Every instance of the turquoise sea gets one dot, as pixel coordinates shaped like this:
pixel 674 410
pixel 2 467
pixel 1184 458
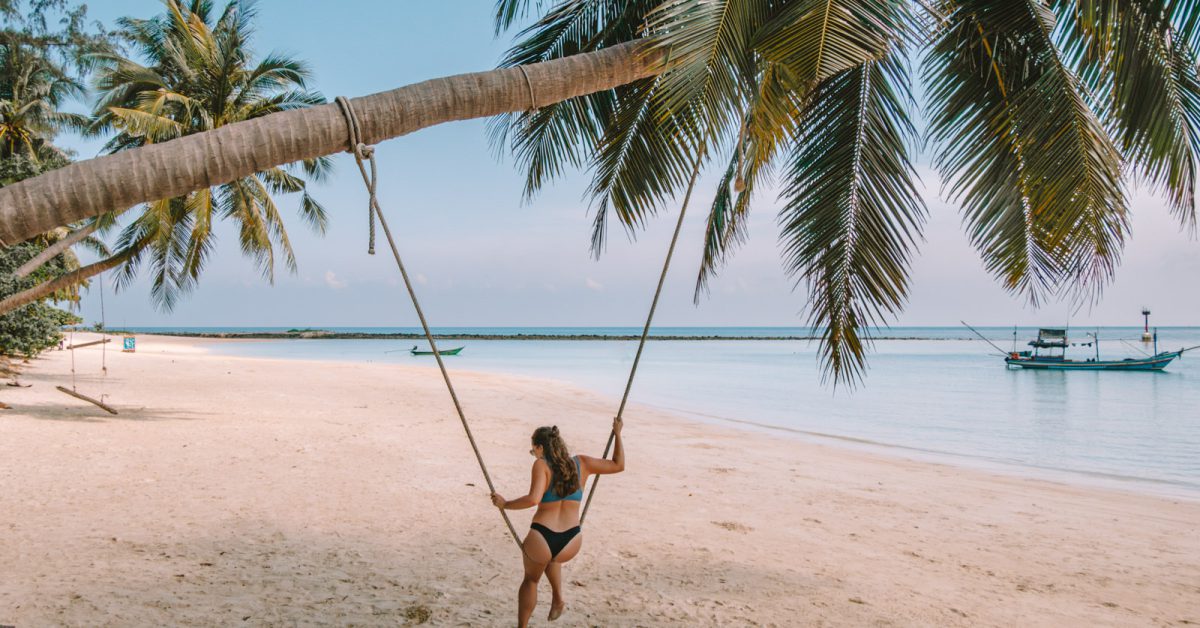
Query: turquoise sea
pixel 936 394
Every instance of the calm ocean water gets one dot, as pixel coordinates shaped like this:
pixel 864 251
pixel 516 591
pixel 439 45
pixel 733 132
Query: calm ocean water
pixel 940 396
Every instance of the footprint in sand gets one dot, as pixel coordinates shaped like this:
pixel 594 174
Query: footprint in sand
pixel 733 526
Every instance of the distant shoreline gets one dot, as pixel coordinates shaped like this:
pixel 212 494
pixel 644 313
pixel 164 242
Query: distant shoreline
pixel 318 334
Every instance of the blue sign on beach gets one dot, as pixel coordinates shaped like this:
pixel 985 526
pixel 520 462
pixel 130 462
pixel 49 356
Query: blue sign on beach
pixel 129 344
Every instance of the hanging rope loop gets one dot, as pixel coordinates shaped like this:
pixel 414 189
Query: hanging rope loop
pixel 362 153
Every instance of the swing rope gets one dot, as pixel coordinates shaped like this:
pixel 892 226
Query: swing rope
pixel 103 339
pixel 72 348
pixel 637 357
pixel 362 152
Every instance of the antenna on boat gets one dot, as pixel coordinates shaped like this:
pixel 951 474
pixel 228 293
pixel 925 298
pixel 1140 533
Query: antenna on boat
pixel 1096 342
pixel 1014 339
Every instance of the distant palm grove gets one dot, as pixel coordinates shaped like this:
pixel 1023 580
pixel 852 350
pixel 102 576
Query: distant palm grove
pixel 1037 115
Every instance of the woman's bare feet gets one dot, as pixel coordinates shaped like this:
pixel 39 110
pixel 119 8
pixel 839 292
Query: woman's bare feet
pixel 556 609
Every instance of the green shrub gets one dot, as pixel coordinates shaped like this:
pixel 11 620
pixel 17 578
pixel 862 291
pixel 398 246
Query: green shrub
pixel 27 331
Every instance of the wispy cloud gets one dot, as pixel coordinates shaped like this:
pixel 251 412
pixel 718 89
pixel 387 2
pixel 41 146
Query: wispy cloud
pixel 592 284
pixel 332 280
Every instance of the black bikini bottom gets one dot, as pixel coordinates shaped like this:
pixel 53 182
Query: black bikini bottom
pixel 556 540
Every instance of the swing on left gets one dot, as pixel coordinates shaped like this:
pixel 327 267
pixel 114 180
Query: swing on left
pixel 103 342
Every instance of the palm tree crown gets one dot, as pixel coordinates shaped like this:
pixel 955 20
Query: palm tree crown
pixel 1035 109
pixel 199 75
pixel 32 87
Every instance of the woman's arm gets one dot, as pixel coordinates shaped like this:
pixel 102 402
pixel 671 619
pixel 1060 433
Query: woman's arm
pixel 602 466
pixel 537 488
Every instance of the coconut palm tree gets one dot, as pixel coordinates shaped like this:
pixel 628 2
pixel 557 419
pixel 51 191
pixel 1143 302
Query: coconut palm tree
pixel 199 75
pixel 175 233
pixel 38 74
pixel 29 114
pixel 34 83
pixel 1036 108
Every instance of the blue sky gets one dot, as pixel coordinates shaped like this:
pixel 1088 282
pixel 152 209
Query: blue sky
pixel 481 257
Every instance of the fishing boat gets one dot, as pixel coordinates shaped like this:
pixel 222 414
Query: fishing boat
pixel 453 351
pixel 1050 349
pixel 1049 353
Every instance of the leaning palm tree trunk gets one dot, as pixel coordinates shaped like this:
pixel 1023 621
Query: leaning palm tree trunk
pixel 77 276
pixel 47 254
pixel 173 168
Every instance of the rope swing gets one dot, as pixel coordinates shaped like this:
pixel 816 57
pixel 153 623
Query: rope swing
pixel 103 360
pixel 363 153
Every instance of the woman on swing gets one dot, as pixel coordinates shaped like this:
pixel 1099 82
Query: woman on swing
pixel 556 488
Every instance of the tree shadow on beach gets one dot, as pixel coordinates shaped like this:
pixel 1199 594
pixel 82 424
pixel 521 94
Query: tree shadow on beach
pixel 258 572
pixel 37 398
pixel 82 412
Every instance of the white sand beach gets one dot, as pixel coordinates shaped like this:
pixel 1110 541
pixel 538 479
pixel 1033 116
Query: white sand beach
pixel 234 491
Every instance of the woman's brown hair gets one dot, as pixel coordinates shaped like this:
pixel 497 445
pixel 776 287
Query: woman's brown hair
pixel 564 478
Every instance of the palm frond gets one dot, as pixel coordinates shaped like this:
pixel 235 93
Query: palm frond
pixel 278 72
pixel 641 160
pixel 160 234
pixel 555 137
pixel 725 227
pixel 242 202
pixel 852 213
pixel 1093 27
pixel 149 127
pixel 1037 175
pixel 279 181
pixel 713 64
pixel 815 39
pixel 548 141
pixel 200 244
pixel 769 125
pixel 1136 57
pixel 285 101
pixel 275 224
pixel 510 11
pixel 96 246
pixel 318 169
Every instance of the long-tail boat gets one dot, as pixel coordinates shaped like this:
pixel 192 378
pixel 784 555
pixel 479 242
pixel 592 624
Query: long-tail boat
pixel 453 351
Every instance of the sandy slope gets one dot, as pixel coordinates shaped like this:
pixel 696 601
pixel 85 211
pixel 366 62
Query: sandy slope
pixel 306 493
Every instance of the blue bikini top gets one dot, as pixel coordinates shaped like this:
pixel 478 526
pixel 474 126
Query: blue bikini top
pixel 551 496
